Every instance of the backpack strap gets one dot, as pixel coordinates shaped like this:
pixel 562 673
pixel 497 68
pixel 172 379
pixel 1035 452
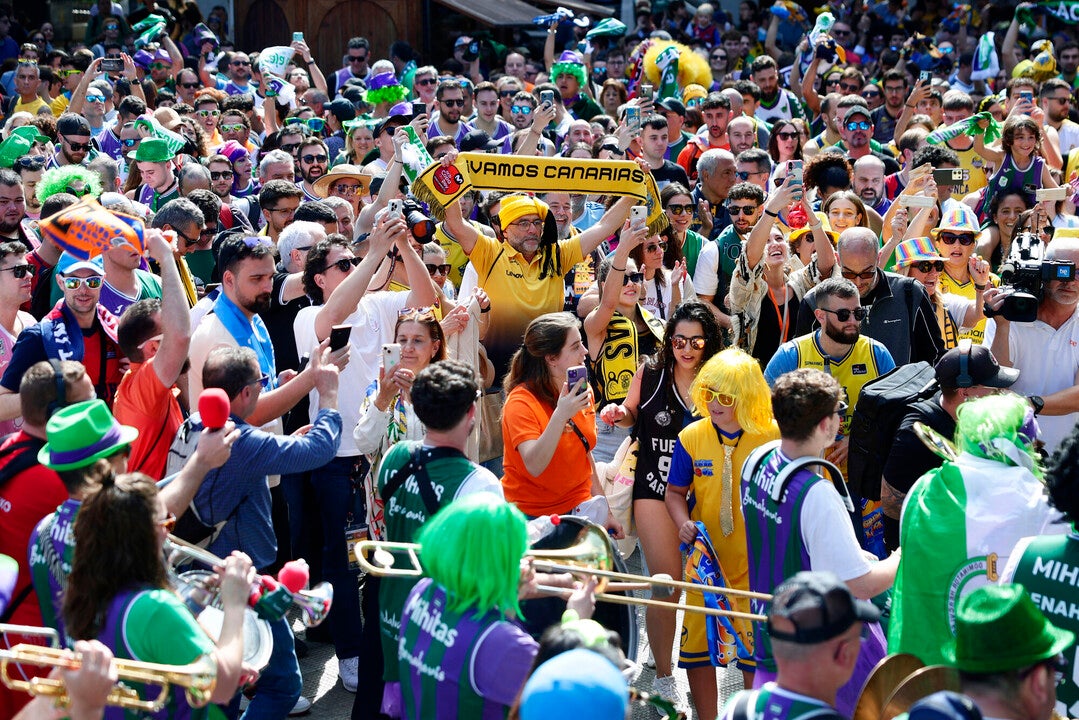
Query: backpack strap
pixel 24 458
pixel 417 467
pixel 756 459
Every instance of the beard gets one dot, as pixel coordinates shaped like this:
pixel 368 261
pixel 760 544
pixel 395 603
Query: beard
pixel 258 305
pixel 839 335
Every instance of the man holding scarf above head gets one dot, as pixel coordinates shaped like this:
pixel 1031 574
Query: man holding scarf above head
pixel 524 273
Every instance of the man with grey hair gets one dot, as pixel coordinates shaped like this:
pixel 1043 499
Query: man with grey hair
pixel 716 175
pixel 901 315
pixel 193 176
pixel 276 165
pixel 345 217
pixel 1045 351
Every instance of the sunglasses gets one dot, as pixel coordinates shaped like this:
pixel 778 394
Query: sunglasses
pixel 871 94
pixel 426 81
pixel 95 98
pixel 112 27
pixel 737 210
pixel 357 58
pixel 77 146
pixel 831 82
pixel 681 209
pixel 710 396
pixel 159 66
pixel 848 88
pixel 843 315
pixel 222 175
pixel 697 342
pixel 719 57
pixel 858 125
pixel 948 238
pixel 207 113
pixel 315 124
pixel 309 159
pixel 927 266
pixel 635 278
pixel 187 241
pixel 867 274
pixel 432 270
pixel 69 73
pixel 130 142
pixel 191 86
pixel 789 135
pixel 262 380
pixel 238 127
pixel 653 247
pixel 20 271
pixel 343 189
pixel 240 63
pixel 291 148
pixel 74 283
pixel 521 109
pixel 612 149
pixel 507 93
pixel 460 102
pixel 344 264
pixel 31 162
pixel 743 175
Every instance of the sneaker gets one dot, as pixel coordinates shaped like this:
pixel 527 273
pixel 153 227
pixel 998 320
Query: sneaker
pixel 348 669
pixel 302 705
pixel 667 688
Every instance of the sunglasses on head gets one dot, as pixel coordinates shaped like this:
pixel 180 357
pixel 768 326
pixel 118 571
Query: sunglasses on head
pixel 77 146
pixel 858 125
pixel 416 314
pixel 521 109
pixel 344 264
pixel 927 266
pixel 432 269
pixel 965 239
pixel 20 271
pixel 314 158
pixel 459 102
pixel 74 283
pixel 681 209
pixel 30 162
pixel 714 396
pixel 635 278
pixel 736 210
pixel 696 342
pixel 844 314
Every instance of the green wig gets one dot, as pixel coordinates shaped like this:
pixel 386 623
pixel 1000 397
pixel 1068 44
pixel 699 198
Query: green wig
pixel 569 68
pixel 736 373
pixel 61 179
pixel 473 548
pixel 1000 428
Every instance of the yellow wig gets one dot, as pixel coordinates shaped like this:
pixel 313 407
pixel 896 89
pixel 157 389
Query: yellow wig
pixel 692 68
pixel 736 373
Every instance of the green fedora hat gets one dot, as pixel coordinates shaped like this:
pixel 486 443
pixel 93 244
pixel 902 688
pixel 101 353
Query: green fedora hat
pixel 152 149
pixel 81 434
pixel 998 628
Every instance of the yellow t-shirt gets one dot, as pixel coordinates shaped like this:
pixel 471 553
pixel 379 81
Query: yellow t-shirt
pixel 32 107
pixel 975 164
pixel 948 284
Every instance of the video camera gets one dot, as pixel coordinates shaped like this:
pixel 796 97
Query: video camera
pixel 1025 275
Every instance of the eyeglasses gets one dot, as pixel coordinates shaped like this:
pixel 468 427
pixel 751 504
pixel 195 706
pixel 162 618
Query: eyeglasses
pixel 660 246
pixel 681 209
pixel 459 102
pixel 432 270
pixel 344 264
pixel 130 142
pixel 20 271
pixel 30 162
pixel 238 127
pixel 290 148
pixel 160 66
pixel 521 109
pixel 426 81
pixel 1062 100
pixel 737 210
pixel 95 98
pixel 309 159
pixel 841 409
pixel 868 274
pixel 316 124
pixel 74 283
pixel 222 175
pixel 710 396
pixel 965 239
pixel 526 224
pixel 77 146
pixel 207 113
pixel 858 125
pixel 789 135
pixel 191 86
pixel 357 58
pixel 871 94
pixel 169 523
pixel 927 266
pixel 343 189
pixel 281 209
pixel 696 342
pixel 635 278
pixel 843 314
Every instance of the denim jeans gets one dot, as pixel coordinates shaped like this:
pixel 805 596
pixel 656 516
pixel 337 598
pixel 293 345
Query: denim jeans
pixel 280 682
pixel 608 439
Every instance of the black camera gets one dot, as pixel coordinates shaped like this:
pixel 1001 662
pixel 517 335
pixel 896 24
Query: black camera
pixel 1025 275
pixel 472 51
pixel 419 223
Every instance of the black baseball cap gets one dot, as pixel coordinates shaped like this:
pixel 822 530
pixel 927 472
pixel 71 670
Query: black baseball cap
pixel 819 605
pixel 674 105
pixel 72 124
pixel 479 141
pixel 342 109
pixel 981 366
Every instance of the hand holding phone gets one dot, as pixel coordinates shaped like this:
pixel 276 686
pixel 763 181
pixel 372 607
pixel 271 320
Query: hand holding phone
pixel 574 376
pixel 638 214
pixel 394 208
pixel 391 359
pixel 339 335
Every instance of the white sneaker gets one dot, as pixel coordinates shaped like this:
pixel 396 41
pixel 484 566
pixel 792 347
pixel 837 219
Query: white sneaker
pixel 667 688
pixel 348 669
pixel 302 705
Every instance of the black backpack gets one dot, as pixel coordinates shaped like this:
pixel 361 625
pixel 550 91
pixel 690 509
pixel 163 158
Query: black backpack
pixel 880 409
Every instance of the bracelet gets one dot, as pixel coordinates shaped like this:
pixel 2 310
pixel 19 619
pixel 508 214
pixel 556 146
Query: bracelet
pixel 913 107
pixel 486 309
pixel 769 213
pixel 979 287
pixel 309 62
pixel 618 269
pixel 399 160
pixel 814 227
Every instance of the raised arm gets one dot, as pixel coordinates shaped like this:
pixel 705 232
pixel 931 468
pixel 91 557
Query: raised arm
pixel 591 238
pixel 318 80
pixel 758 236
pixel 175 315
pixel 595 325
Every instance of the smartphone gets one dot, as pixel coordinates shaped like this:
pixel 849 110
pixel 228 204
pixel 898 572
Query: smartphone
pixel 210 287
pixel 1052 194
pixel 917 201
pixel 647 92
pixel 547 96
pixel 297 37
pixel 395 208
pixel 339 336
pixel 391 358
pixel 1026 95
pixel 638 214
pixel 633 119
pixel 419 107
pixel 951 176
pixel 303 363
pixel 575 375
pixel 112 65
pixel 925 77
pixel 794 172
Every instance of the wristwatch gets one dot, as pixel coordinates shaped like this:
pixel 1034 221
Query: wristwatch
pixel 1038 402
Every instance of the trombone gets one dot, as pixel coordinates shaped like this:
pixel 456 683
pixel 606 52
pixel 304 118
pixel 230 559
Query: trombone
pixel 314 604
pixel 590 556
pixel 198 679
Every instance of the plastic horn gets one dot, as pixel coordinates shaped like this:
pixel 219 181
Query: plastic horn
pixel 314 604
pixel 198 679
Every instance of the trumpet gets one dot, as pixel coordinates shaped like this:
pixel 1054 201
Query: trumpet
pixel 198 679
pixel 314 604
pixel 590 556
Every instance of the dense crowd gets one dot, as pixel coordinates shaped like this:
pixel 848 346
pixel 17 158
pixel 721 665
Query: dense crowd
pixel 828 198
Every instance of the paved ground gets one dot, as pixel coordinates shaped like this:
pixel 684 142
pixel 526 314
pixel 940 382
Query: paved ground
pixel 331 700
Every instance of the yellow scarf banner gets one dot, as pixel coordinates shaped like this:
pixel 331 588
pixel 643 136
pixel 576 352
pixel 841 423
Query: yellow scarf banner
pixel 439 185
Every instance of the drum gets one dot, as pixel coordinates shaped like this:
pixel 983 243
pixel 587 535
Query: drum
pixel 540 614
pixel 201 599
